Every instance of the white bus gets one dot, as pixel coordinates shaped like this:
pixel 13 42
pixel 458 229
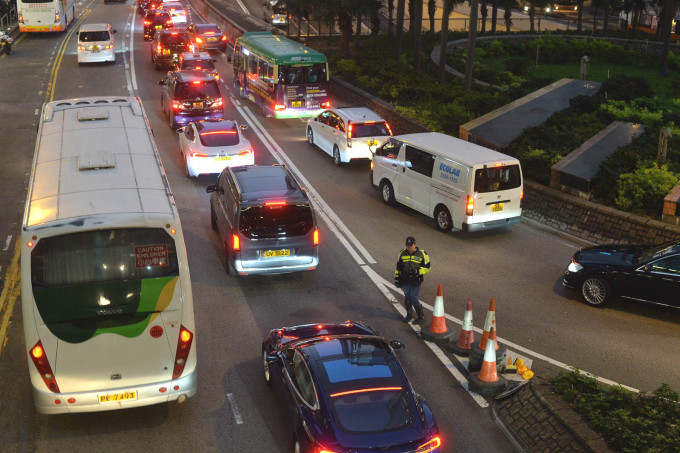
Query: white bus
pixel 45 15
pixel 106 293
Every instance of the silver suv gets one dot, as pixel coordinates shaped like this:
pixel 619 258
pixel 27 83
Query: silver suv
pixel 265 221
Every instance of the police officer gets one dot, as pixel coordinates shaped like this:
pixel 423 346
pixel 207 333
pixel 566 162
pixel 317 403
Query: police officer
pixel 412 265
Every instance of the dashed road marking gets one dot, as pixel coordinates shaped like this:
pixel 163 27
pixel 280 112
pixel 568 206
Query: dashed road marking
pixel 7 243
pixel 234 409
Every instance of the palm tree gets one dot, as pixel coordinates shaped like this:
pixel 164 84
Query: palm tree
pixel 483 11
pixel 579 21
pixel 431 10
pixel 390 16
pixel 507 15
pixel 669 9
pixel 443 39
pixel 401 4
pixel 472 42
pixel 494 15
pixel 417 32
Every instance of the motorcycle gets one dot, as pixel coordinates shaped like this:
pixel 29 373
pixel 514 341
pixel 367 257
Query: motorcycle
pixel 6 42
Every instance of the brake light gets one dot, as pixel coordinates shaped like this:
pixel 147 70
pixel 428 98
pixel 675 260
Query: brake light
pixel 389 129
pixel 183 347
pixel 237 243
pixel 371 165
pixel 275 203
pixel 191 47
pixel 224 38
pixel 199 40
pixel 176 106
pixel 169 22
pixel 196 82
pixel 159 49
pixel 498 165
pixel 195 154
pixel 218 103
pixel 375 389
pixel 217 77
pixel 247 152
pixel 21 19
pixel 323 450
pixel 326 105
pixel 279 107
pixel 147 22
pixel 521 197
pixel 470 205
pixel 349 133
pixel 316 237
pixel 57 17
pixel 174 33
pixel 43 365
pixel 429 446
pixel 217 132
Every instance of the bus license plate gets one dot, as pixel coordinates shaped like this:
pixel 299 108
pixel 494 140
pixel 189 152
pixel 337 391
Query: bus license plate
pixel 296 104
pixel 114 397
pixel 223 158
pixel 276 253
pixel 497 207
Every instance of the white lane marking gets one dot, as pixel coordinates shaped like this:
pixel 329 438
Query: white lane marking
pixel 36 110
pixel 322 204
pixel 133 75
pixel 7 243
pixel 234 409
pixel 457 375
pixel 243 7
pixel 128 77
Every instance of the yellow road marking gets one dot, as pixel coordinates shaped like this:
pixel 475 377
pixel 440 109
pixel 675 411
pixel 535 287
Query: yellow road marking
pixel 10 294
pixel 49 93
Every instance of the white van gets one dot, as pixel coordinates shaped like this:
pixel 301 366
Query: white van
pixel 461 185
pixel 95 44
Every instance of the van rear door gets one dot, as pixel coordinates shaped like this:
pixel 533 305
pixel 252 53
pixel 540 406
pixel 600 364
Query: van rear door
pixel 497 188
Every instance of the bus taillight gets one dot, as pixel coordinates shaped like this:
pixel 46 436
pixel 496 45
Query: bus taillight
pixel 57 17
pixel 279 107
pixel 470 205
pixel 389 129
pixel 21 19
pixel 183 347
pixel 40 361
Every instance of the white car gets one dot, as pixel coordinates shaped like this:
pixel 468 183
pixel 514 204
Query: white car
pixel 348 133
pixel 176 11
pixel 95 44
pixel 208 147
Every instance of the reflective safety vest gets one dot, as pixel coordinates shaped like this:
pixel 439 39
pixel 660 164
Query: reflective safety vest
pixel 412 266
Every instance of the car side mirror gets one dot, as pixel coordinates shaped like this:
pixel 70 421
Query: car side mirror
pixel 211 188
pixel 181 130
pixel 161 82
pixel 272 358
pixel 397 345
pixel 243 127
pixel 408 164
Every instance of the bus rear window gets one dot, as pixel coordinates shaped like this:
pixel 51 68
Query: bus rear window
pixel 298 75
pixel 369 130
pixel 494 179
pixel 268 222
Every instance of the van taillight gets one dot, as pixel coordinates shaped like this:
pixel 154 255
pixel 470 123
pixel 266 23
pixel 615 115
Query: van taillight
pixel 521 197
pixel 159 49
pixel 316 237
pixel 349 135
pixel 470 206
pixel 236 243
pixel 43 365
pixel 183 347
pixel 389 129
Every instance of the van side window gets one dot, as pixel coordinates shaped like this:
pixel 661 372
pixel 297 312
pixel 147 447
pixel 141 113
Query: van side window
pixel 421 161
pixel 390 149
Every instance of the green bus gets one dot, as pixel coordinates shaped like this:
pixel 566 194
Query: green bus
pixel 283 77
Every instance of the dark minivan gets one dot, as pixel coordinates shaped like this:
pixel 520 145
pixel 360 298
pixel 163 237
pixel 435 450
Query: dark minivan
pixel 265 221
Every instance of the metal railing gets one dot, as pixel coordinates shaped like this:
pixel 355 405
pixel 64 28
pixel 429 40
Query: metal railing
pixel 8 18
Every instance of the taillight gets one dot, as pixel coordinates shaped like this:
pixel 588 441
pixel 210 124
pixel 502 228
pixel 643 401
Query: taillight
pixel 326 105
pixel 218 103
pixel 57 17
pixel 371 165
pixel 183 347
pixel 237 243
pixel 195 154
pixel 21 19
pixel 224 38
pixel 316 237
pixel 389 129
pixel 41 363
pixel 470 205
pixel 147 22
pixel 217 77
pixel 521 197
pixel 198 39
pixel 429 446
pixel 279 107
pixel 176 106
pixel 246 152
pixel 159 49
pixel 191 47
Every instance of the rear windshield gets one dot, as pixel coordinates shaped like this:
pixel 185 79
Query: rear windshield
pixel 96 274
pixel 225 137
pixel 90 36
pixel 201 28
pixel 369 130
pixel 203 90
pixel 378 411
pixel 278 221
pixel 494 179
pixel 198 64
pixel 297 75
pixel 160 17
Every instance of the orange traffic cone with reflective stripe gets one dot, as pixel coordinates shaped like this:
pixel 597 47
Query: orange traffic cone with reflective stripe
pixel 438 331
pixel 467 336
pixel 487 381
pixel 489 323
pixel 477 349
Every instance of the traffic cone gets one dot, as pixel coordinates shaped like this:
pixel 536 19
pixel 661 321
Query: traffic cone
pixel 487 382
pixel 438 332
pixel 467 336
pixel 477 349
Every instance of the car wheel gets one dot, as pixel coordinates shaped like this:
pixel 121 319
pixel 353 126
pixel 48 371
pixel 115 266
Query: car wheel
pixel 596 291
pixel 387 192
pixel 230 269
pixel 443 219
pixel 336 156
pixel 310 136
pixel 265 365
pixel 171 120
pixel 213 218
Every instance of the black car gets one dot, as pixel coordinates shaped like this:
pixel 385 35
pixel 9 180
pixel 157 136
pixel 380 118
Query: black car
pixel 168 45
pixel 637 272
pixel 192 95
pixel 344 390
pixel 155 20
pixel 207 36
pixel 144 5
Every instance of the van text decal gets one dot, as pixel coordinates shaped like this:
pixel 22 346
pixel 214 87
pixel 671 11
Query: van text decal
pixel 449 173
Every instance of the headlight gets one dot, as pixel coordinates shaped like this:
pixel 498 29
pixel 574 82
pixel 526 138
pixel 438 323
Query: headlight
pixel 574 266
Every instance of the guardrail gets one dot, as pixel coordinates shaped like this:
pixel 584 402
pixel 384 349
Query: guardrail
pixel 8 18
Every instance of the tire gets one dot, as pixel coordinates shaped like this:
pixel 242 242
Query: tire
pixel 442 217
pixel 310 136
pixel 336 157
pixel 265 366
pixel 264 110
pixel 387 192
pixel 596 291
pixel 171 120
pixel 213 218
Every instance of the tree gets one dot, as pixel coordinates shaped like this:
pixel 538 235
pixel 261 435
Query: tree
pixel 669 7
pixel 579 20
pixel 472 42
pixel 390 16
pixel 401 4
pixel 605 21
pixel 507 15
pixel 417 33
pixel 443 39
pixel 483 11
pixel 431 10
pixel 494 15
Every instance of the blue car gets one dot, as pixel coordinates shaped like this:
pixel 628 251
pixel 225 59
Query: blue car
pixel 344 391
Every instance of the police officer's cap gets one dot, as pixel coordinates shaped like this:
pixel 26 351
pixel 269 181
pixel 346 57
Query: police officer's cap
pixel 410 241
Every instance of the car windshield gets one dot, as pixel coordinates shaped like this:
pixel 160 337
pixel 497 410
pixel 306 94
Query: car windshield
pixel 224 137
pixel 276 221
pixel 201 90
pixel 90 36
pixel 494 179
pixel 659 251
pixel 198 64
pixel 369 129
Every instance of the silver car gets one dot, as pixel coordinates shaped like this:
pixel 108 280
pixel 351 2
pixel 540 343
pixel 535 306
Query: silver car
pixel 265 221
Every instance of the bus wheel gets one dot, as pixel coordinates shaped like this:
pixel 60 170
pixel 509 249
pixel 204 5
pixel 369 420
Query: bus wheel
pixel 443 219
pixel 264 110
pixel 310 136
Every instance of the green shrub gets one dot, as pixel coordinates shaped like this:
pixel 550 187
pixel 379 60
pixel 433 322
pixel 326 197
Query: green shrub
pixel 536 164
pixel 642 192
pixel 625 88
pixel 517 65
pixel 347 69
